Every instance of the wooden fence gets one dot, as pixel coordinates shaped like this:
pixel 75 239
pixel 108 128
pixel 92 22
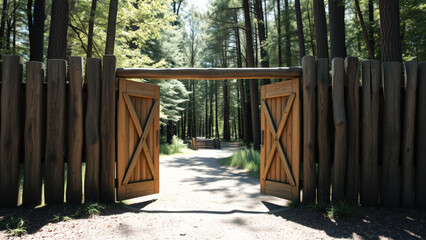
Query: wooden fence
pixel 369 139
pixel 44 126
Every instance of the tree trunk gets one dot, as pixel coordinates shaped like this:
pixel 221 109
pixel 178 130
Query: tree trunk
pixel 207 111
pixel 226 128
pixel 169 131
pixel 311 31
pixel 91 25
pixel 264 62
pixel 36 29
pixel 301 38
pixel 337 28
pixel 217 119
pixel 253 82
pixel 58 36
pixel 364 30
pixel 279 34
pixel 390 38
pixel 287 34
pixel 3 23
pixel 320 29
pixel 112 20
pixel 194 118
pixel 371 25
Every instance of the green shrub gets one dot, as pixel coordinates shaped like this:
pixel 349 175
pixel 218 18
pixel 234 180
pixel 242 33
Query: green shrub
pixel 342 209
pixel 245 159
pixel 176 146
pixel 17 226
pixel 89 209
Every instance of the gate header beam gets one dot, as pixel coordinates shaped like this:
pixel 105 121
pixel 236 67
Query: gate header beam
pixel 210 73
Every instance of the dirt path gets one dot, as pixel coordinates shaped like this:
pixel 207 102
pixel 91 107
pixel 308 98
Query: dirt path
pixel 200 199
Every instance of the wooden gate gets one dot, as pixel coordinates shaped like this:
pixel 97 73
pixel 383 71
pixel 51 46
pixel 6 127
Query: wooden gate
pixel 138 139
pixel 280 143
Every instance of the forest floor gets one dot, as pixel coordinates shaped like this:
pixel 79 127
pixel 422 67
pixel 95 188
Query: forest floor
pixel 200 199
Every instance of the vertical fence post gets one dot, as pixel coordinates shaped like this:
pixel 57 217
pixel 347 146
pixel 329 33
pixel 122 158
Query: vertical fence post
pixel 421 138
pixel 391 174
pixel 407 149
pixel 75 131
pixel 108 129
pixel 352 116
pixel 324 154
pixel 309 171
pixel 33 142
pixel 55 131
pixel 340 139
pixel 91 185
pixel 370 133
pixel 10 130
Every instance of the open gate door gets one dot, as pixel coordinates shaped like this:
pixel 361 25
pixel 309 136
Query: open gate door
pixel 280 143
pixel 137 139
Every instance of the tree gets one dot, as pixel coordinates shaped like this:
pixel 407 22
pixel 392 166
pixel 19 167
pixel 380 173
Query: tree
pixel 301 38
pixel 320 29
pixel 91 25
pixel 279 33
pixel 337 28
pixel 262 36
pixel 253 82
pixel 36 23
pixel 112 20
pixel 58 36
pixel 364 30
pixel 390 38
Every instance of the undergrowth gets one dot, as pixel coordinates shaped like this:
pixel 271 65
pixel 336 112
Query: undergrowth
pixel 17 226
pixel 247 158
pixel 89 209
pixel 341 209
pixel 176 146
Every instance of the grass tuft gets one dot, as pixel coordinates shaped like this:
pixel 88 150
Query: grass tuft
pixel 342 209
pixel 245 159
pixel 176 146
pixel 59 218
pixel 89 209
pixel 17 226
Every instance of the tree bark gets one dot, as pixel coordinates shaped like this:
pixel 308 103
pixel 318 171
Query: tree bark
pixel 371 25
pixel 3 22
pixel 279 33
pixel 264 62
pixel 390 38
pixel 36 29
pixel 112 20
pixel 217 119
pixel 337 28
pixel 287 33
pixel 301 38
pixel 320 29
pixel 364 30
pixel 58 36
pixel 91 25
pixel 253 82
pixel 226 128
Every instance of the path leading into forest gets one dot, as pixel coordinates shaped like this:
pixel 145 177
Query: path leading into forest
pixel 200 199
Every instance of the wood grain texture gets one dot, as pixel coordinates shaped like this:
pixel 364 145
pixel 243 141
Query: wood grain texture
pixel 408 128
pixel 352 117
pixel 108 116
pixel 33 141
pixel 391 171
pixel 210 73
pixel 421 138
pixel 55 132
pixel 92 130
pixel 369 192
pixel 324 152
pixel 10 140
pixel 309 99
pixel 75 131
pixel 340 124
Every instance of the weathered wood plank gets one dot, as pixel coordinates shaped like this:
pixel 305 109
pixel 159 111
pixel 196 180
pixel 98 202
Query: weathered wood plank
pixel 75 131
pixel 370 133
pixel 340 139
pixel 108 115
pixel 324 154
pixel 10 139
pixel 210 73
pixel 55 131
pixel 92 130
pixel 408 128
pixel 421 138
pixel 309 172
pixel 391 172
pixel 352 117
pixel 33 142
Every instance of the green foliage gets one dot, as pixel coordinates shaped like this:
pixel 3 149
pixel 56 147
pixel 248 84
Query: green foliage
pixel 17 226
pixel 342 209
pixel 89 209
pixel 248 159
pixel 59 218
pixel 176 146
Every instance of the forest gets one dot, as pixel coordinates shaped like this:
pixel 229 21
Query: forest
pixel 227 34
